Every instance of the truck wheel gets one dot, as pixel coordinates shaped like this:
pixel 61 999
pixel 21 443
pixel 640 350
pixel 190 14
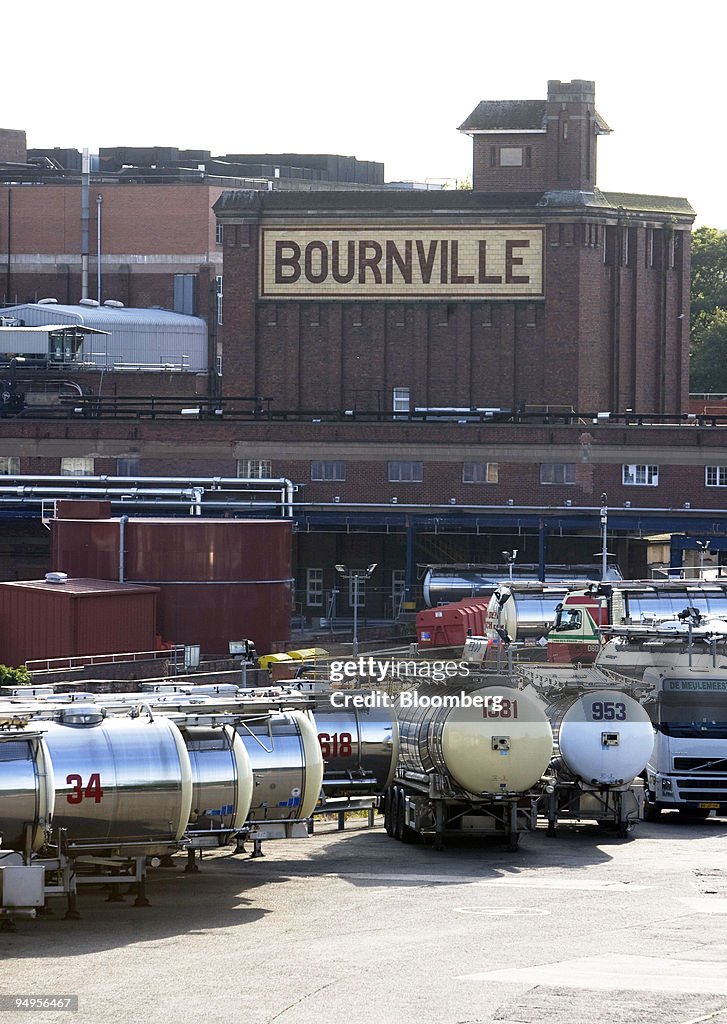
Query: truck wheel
pixel 652 810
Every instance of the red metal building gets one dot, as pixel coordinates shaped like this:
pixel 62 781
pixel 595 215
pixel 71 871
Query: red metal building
pixel 41 619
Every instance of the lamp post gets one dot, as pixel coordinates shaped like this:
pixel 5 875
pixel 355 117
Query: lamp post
pixel 99 204
pixel 604 532
pixel 356 575
pixel 510 557
pixel 703 546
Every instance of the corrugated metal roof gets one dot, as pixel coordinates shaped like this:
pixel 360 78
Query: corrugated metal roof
pixel 79 587
pixel 49 328
pixel 153 339
pixel 103 317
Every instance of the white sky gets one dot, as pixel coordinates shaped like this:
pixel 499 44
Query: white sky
pixel 386 80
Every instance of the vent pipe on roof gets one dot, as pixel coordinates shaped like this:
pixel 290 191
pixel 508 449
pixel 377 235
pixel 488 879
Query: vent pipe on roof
pixel 85 186
pixel 122 546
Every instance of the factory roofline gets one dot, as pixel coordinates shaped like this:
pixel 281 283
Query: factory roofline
pixel 81 587
pixel 515 116
pixel 390 201
pixel 124 315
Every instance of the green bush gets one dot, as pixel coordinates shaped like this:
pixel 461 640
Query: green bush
pixel 14 676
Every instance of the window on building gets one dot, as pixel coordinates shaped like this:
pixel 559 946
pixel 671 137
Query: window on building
pixel 511 156
pixel 557 472
pixel 649 248
pixel 401 401
pixel 716 476
pixel 314 587
pixel 185 288
pixel 9 465
pixel 219 234
pixel 77 467
pixel 128 467
pixel 640 476
pixel 254 469
pixel 480 472
pixel 328 470
pixel 406 472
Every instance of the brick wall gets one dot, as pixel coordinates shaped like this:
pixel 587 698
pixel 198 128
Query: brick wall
pixel 149 233
pixel 605 337
pixel 597 453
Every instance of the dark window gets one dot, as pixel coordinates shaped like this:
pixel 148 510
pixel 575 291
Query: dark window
pixel 328 470
pixel 406 472
pixel 558 473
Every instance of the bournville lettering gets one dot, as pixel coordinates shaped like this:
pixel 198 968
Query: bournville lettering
pixel 379 263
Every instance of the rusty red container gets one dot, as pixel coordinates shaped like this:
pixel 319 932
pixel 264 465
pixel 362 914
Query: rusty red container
pixel 449 624
pixel 68 508
pixel 39 619
pixel 219 579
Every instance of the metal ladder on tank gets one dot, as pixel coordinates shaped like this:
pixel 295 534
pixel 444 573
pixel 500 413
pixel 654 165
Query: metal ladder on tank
pixel 47 511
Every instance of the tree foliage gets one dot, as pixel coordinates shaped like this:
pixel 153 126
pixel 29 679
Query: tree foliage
pixel 708 366
pixel 14 676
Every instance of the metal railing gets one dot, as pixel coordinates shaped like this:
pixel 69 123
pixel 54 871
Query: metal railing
pixel 83 660
pixel 255 409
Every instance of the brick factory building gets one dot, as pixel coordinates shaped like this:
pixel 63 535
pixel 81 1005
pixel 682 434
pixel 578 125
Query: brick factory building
pixel 446 374
pixel 150 231
pixel 535 288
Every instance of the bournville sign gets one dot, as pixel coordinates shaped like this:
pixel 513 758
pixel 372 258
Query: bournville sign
pixel 378 262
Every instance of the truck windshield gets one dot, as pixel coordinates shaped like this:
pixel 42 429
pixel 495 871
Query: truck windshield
pixel 567 619
pixel 702 715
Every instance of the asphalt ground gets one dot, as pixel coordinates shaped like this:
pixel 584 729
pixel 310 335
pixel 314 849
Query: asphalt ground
pixel 354 927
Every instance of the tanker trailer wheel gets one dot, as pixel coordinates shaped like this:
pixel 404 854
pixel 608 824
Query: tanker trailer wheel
pixel 402 832
pixel 388 810
pixel 397 812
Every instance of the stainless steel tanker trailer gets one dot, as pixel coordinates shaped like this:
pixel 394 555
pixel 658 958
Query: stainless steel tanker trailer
pixel 112 780
pixel 360 745
pixel 471 759
pixel 602 741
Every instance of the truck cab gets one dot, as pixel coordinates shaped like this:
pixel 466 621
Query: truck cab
pixel 574 635
pixel 687 770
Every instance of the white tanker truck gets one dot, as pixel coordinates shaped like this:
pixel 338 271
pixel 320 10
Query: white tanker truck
pixel 603 739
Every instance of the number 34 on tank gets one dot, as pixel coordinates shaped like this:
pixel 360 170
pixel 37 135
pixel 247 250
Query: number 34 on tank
pixel 90 790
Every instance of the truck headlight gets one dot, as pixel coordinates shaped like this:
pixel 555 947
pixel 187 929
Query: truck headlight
pixel 666 786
